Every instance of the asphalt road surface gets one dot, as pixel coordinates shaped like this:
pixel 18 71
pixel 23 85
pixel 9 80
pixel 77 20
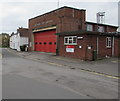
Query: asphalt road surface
pixel 28 79
pixel 0 73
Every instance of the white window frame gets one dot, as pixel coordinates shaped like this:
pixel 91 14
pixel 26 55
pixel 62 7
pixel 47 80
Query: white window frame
pixel 108 42
pixel 89 27
pixel 70 38
pixel 101 29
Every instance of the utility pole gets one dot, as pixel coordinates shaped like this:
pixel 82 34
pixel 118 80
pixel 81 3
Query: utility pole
pixel 119 16
pixel 57 38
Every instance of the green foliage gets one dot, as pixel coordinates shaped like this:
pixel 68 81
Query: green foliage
pixel 4 40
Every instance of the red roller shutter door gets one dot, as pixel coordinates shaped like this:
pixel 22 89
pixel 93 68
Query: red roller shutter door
pixel 45 41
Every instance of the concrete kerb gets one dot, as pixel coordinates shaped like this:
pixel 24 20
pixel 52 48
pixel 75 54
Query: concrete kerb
pixel 46 57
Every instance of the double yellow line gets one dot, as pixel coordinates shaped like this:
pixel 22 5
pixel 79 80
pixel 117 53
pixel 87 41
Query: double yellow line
pixel 89 71
pixel 102 74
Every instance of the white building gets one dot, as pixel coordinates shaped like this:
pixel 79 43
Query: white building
pixel 16 40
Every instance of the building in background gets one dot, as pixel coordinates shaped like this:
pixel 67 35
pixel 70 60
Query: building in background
pixel 66 32
pixel 4 40
pixel 19 39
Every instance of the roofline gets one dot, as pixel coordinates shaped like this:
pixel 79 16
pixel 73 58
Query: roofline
pixel 89 33
pixel 23 28
pixel 102 24
pixel 57 10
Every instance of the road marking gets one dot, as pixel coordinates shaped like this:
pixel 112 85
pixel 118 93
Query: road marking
pixel 102 74
pixel 95 73
pixel 89 71
pixel 52 63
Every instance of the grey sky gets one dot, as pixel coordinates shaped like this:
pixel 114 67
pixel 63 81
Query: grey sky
pixel 16 13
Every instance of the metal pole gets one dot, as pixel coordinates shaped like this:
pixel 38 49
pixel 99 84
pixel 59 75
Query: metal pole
pixel 113 46
pixel 57 37
pixel 97 46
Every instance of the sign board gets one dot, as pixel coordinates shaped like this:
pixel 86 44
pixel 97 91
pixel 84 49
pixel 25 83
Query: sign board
pixel 70 48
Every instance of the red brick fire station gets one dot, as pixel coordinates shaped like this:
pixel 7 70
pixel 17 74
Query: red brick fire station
pixel 66 32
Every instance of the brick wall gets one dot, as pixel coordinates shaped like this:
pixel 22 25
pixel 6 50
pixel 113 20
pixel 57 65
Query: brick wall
pixel 117 46
pixel 24 32
pixel 65 18
pixel 103 50
pixel 78 52
pixel 89 40
pixel 107 28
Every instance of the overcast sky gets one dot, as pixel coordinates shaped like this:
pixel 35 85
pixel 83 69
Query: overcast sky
pixel 16 13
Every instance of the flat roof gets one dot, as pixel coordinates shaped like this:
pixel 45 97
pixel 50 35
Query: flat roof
pixel 57 10
pixel 89 33
pixel 101 24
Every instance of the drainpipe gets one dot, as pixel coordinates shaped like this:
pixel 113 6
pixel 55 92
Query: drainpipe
pixel 113 46
pixel 97 46
pixel 57 42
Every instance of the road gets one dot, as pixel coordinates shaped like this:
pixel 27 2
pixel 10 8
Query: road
pixel 28 79
pixel 0 73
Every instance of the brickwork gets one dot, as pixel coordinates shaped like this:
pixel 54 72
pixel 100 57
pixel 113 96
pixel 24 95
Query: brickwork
pixel 107 28
pixel 65 18
pixel 24 32
pixel 89 40
pixel 78 52
pixel 68 19
pixel 117 46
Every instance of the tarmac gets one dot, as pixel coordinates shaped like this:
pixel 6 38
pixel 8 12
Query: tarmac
pixel 105 67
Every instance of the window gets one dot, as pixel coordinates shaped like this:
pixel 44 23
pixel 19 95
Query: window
pixel 108 42
pixel 89 27
pixel 70 40
pixel 40 43
pixel 100 29
pixel 45 43
pixel 36 43
pixel 50 43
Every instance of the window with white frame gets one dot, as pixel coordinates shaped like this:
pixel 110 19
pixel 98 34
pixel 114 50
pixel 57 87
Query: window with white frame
pixel 101 29
pixel 70 40
pixel 89 27
pixel 108 42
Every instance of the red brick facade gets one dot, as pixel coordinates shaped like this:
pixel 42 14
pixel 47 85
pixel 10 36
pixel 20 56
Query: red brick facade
pixel 68 19
pixel 90 40
pixel 65 19
pixel 24 32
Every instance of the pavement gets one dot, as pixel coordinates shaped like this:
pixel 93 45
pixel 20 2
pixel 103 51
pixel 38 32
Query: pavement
pixel 107 67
